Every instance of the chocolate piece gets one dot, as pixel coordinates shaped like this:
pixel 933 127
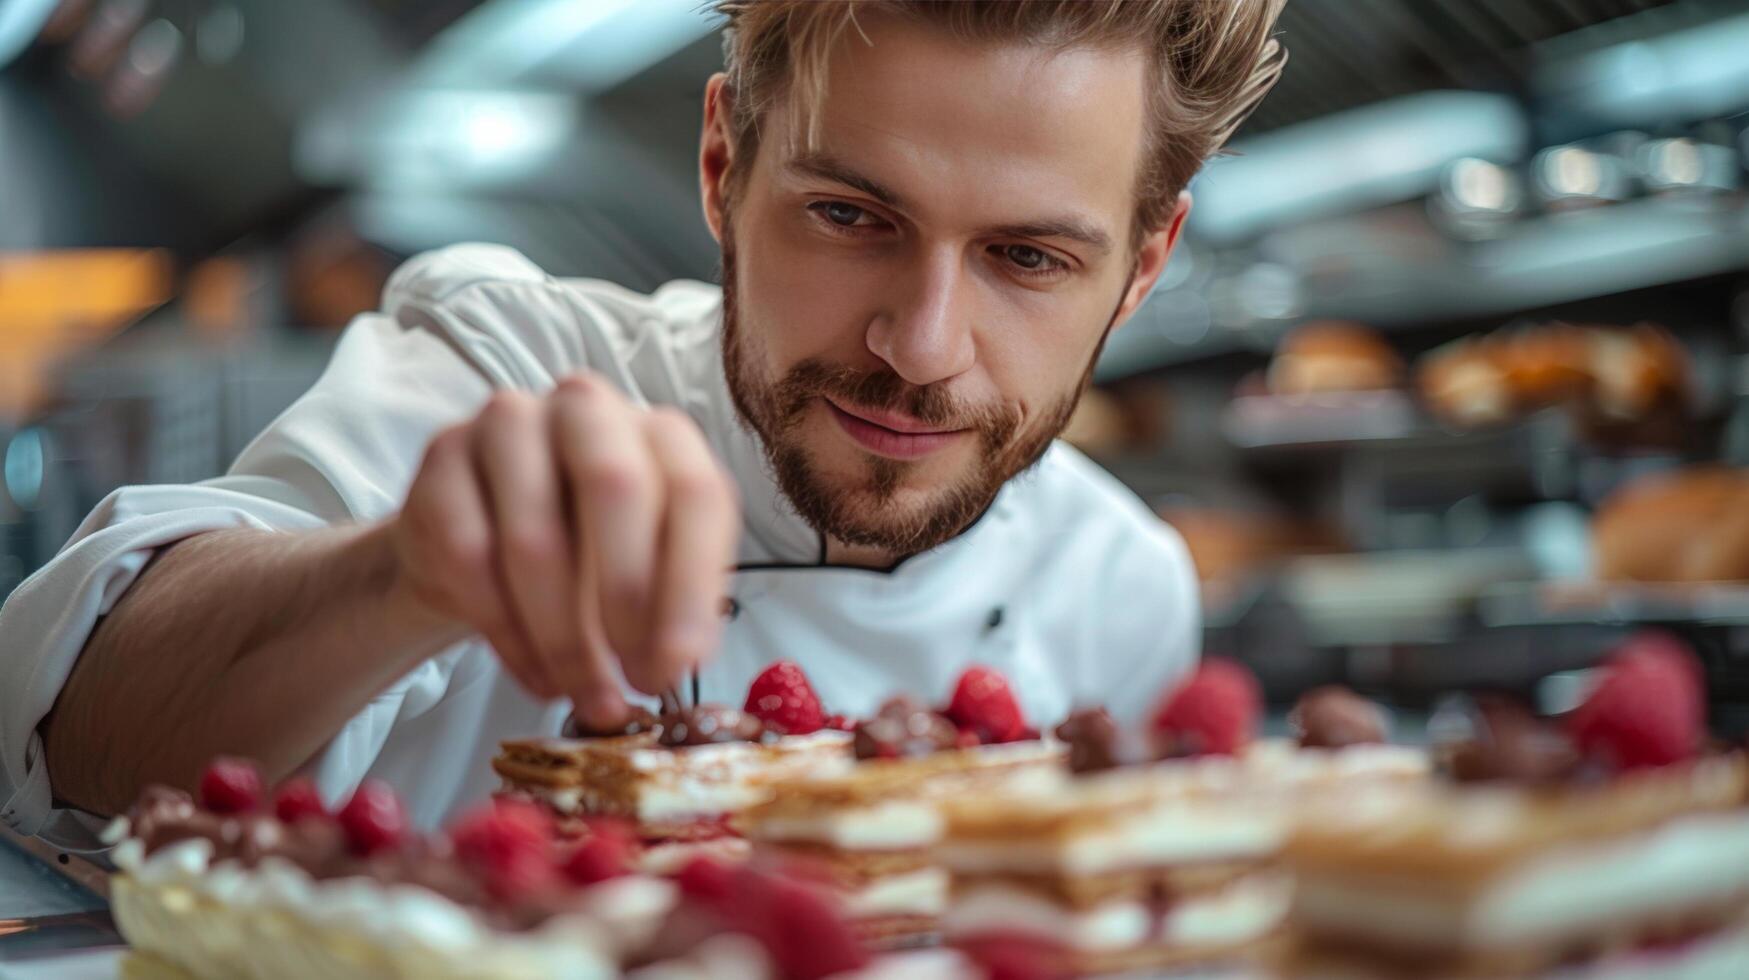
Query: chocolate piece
pixel 260 836
pixel 1333 717
pixel 159 805
pixel 223 832
pixel 708 724
pixel 638 721
pixel 903 728
pixel 317 846
pixel 1508 742
pixel 1097 742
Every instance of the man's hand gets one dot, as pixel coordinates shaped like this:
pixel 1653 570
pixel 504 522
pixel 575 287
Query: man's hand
pixel 581 535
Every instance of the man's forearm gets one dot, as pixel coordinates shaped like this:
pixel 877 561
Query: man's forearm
pixel 242 642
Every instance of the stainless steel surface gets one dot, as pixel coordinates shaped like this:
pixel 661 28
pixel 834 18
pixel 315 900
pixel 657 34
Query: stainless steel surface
pixel 50 901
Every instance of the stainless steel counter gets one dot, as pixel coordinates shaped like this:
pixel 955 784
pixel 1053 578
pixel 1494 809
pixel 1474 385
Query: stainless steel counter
pixel 50 903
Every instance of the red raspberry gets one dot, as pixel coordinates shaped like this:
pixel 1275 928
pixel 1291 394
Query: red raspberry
pixel 1648 708
pixel 1015 956
pixel 230 785
pixel 804 933
pixel 298 799
pixel 983 704
pixel 373 819
pixel 510 843
pixel 1214 712
pixel 782 698
pixel 840 723
pixel 706 880
pixel 598 859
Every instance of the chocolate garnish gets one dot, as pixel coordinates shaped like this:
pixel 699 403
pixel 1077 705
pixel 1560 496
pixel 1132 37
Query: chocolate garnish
pixel 903 728
pixel 224 833
pixel 159 805
pixel 1507 742
pixel 1097 742
pixel 638 721
pixel 1334 717
pixel 709 724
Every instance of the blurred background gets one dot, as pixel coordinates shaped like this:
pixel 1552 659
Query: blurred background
pixel 1448 384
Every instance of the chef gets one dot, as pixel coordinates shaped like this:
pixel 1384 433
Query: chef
pixel 511 495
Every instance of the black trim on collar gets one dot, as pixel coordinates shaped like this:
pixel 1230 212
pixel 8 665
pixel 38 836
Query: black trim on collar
pixel 820 563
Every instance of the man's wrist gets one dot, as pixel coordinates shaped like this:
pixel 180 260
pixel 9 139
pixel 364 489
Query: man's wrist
pixel 403 612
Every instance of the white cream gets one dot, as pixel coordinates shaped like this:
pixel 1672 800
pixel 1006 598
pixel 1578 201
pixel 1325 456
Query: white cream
pixel 919 892
pixel 671 856
pixel 1002 909
pixel 1246 910
pixel 1695 861
pixel 1179 832
pixel 886 826
pixel 630 909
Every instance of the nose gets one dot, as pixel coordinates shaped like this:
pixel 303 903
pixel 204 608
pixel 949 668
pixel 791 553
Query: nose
pixel 924 330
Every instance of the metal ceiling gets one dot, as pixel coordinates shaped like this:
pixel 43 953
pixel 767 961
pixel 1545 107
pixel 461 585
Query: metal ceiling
pixel 1349 53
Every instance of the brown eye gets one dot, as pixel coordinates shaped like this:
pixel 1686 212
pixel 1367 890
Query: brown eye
pixel 1025 256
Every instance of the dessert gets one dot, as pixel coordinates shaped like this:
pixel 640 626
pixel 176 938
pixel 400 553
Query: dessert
pixel 230 887
pixel 1159 848
pixel 1327 356
pixel 679 778
pixel 868 830
pixel 1689 525
pixel 1619 382
pixel 1550 848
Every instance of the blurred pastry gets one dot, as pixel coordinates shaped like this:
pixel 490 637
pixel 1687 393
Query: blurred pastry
pixel 1689 525
pixel 1625 386
pixel 1467 383
pixel 1333 356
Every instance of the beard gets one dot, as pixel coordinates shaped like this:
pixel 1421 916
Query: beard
pixel 863 510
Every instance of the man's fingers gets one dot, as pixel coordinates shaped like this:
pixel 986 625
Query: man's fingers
pixel 617 496
pixel 700 525
pixel 448 512
pixel 533 553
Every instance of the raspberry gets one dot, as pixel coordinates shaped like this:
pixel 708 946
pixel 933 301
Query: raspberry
pixel 298 799
pixel 1214 712
pixel 805 935
pixel 782 698
pixel 373 819
pixel 1648 708
pixel 1015 956
pixel 840 723
pixel 230 785
pixel 983 704
pixel 706 880
pixel 510 843
pixel 598 858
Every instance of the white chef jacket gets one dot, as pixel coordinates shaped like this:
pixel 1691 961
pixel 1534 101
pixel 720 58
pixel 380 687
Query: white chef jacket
pixel 1068 585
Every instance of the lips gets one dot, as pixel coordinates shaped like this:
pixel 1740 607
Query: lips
pixel 889 435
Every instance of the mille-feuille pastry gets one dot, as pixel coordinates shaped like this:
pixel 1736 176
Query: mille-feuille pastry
pixel 1160 850
pixel 869 830
pixel 230 888
pixel 1607 845
pixel 680 778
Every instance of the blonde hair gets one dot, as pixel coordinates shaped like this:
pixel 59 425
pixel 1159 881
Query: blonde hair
pixel 1210 64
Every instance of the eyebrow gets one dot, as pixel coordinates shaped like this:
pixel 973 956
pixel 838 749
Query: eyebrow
pixel 1069 227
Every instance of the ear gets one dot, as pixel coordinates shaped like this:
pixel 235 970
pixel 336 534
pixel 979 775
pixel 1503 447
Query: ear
pixel 1151 260
pixel 715 149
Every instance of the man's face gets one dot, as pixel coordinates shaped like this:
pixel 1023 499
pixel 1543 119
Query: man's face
pixel 913 308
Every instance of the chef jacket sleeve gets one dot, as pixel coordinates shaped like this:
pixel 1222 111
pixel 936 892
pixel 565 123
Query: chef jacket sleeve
pixel 345 451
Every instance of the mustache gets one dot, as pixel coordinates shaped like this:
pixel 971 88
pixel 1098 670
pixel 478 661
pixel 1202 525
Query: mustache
pixel 884 390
